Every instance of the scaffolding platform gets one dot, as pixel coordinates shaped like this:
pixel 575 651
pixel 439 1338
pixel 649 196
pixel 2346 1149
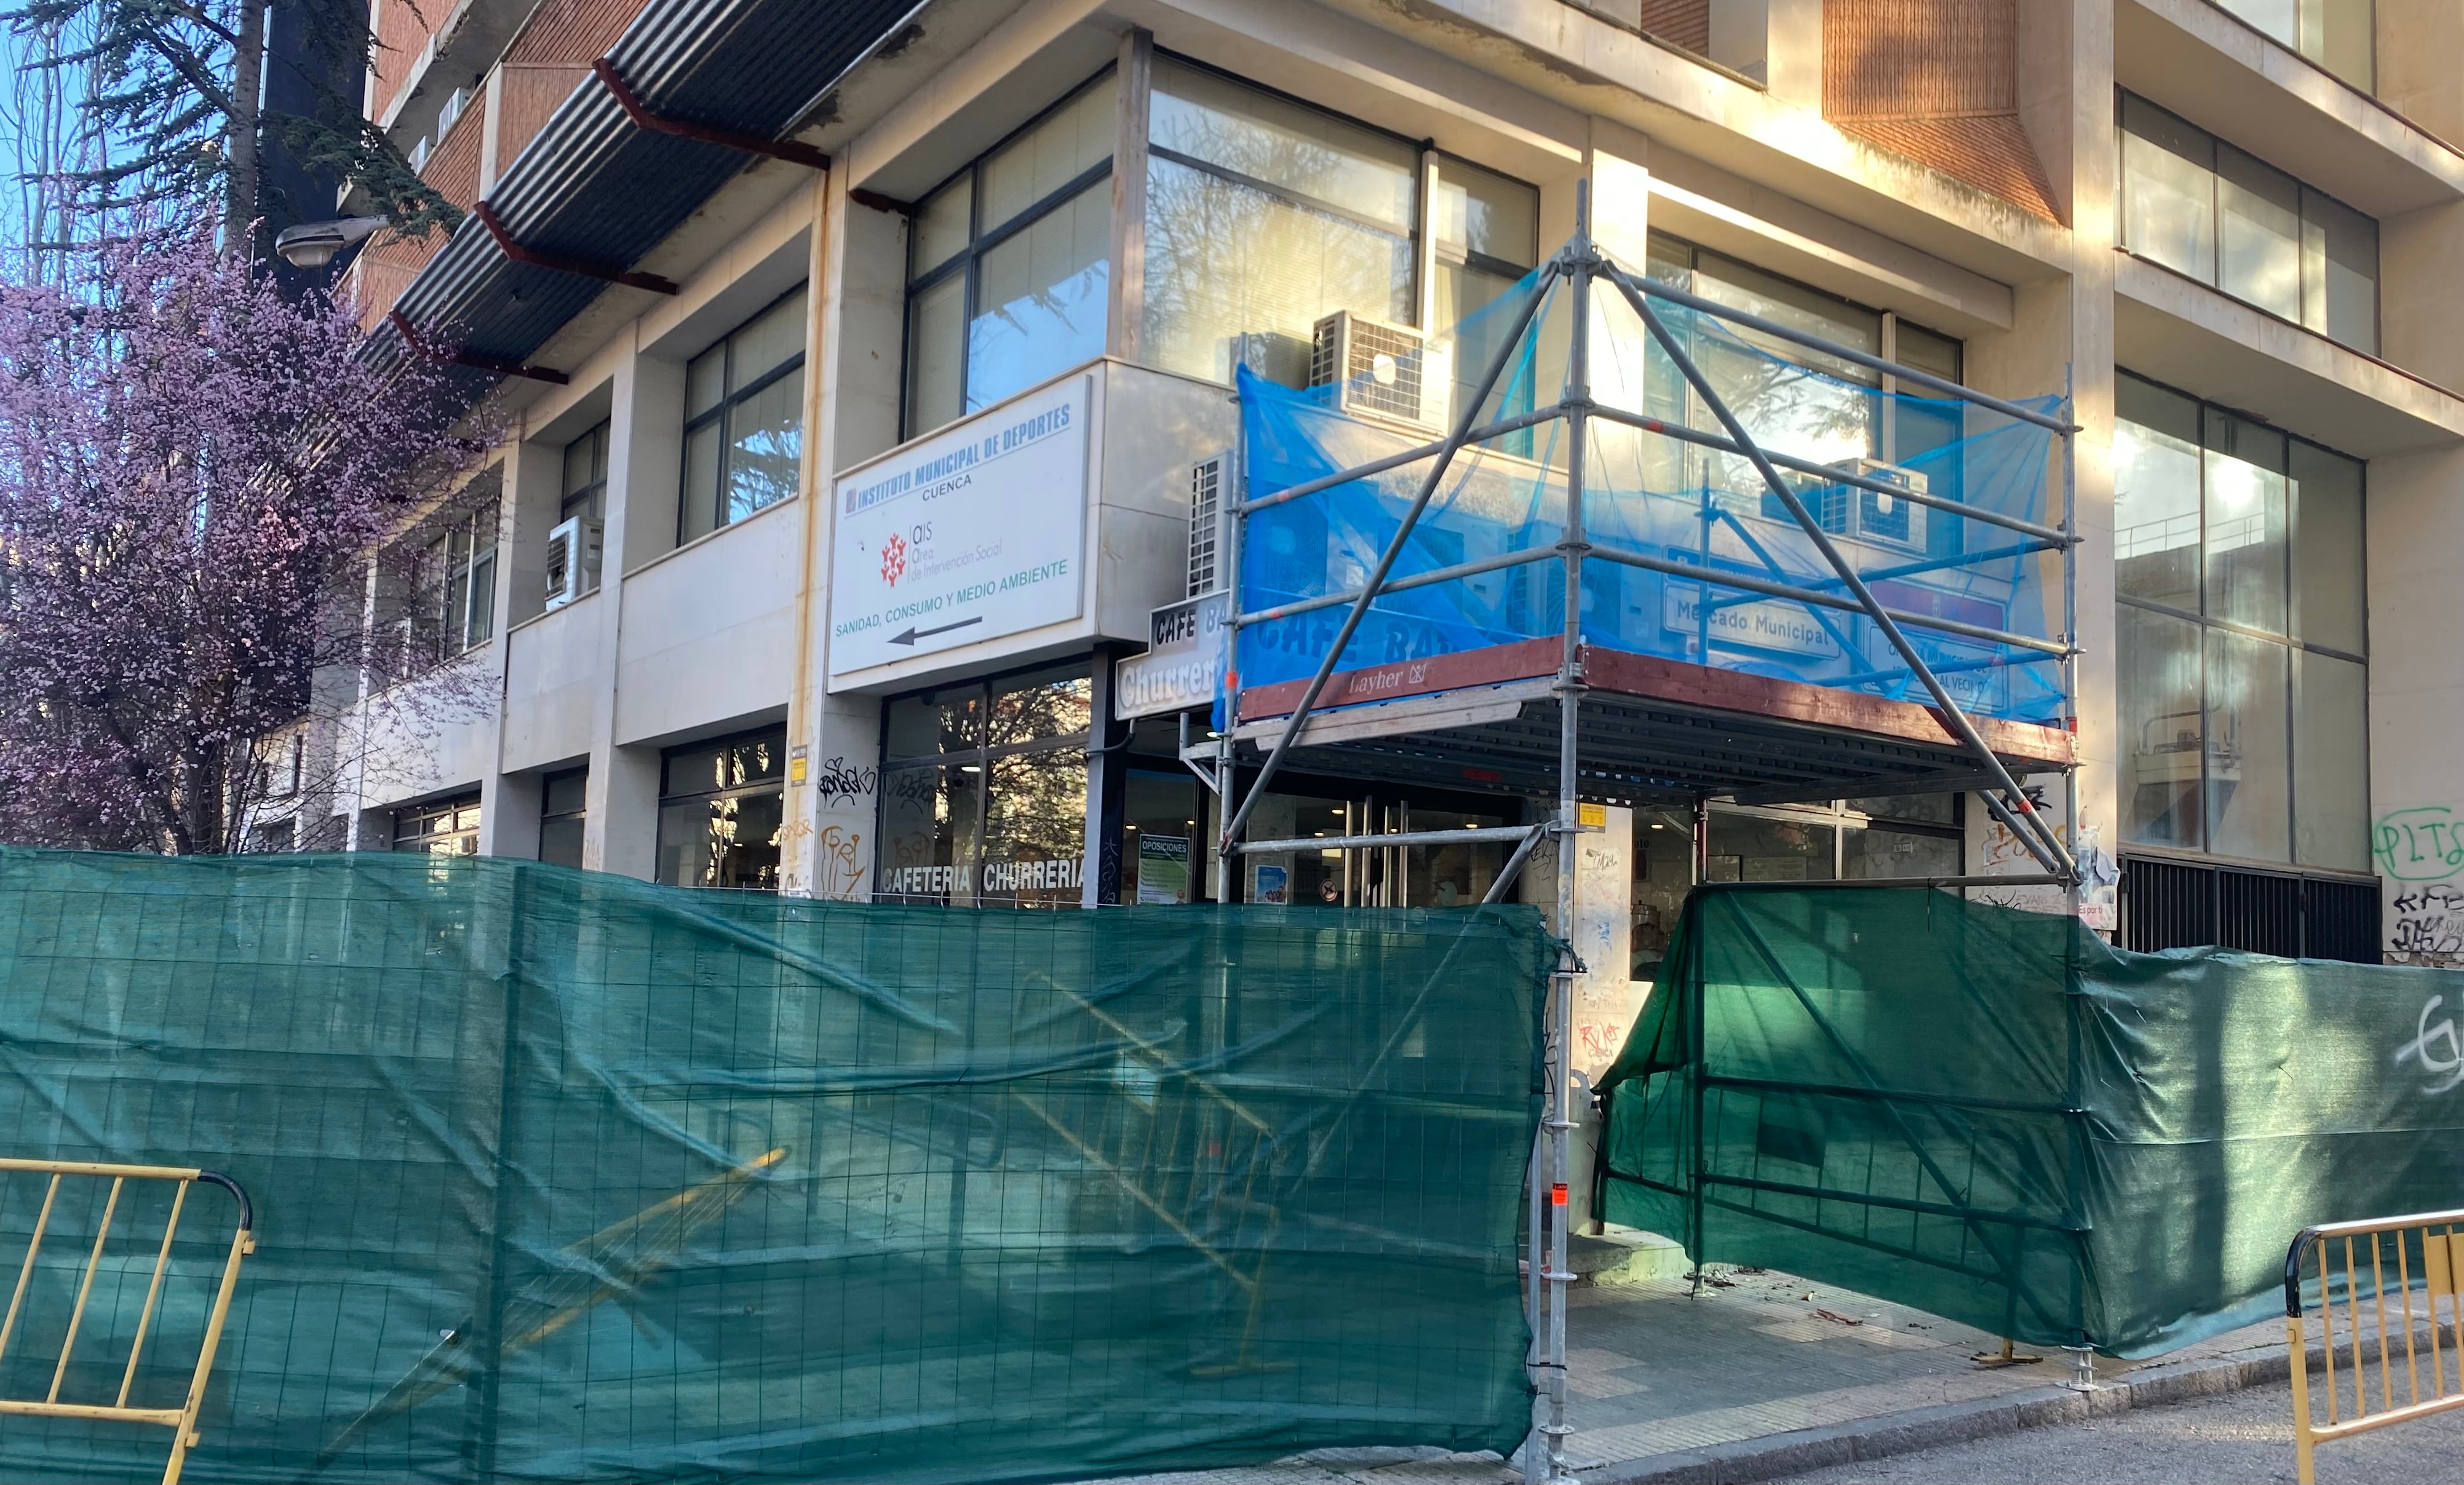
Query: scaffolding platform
pixel 1654 731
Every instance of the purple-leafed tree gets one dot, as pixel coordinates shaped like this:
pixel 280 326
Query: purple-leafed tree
pixel 197 478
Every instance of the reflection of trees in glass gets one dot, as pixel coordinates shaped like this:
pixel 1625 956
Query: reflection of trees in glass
pixel 1035 810
pixel 1039 709
pixel 1224 258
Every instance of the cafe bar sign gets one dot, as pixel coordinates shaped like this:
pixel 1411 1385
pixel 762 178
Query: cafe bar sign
pixel 1183 666
pixel 975 533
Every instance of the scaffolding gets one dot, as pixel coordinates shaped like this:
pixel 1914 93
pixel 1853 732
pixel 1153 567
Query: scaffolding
pixel 1660 728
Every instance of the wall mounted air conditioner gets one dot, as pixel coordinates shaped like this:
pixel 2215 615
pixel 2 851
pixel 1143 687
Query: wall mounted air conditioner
pixel 1381 371
pixel 1871 516
pixel 573 549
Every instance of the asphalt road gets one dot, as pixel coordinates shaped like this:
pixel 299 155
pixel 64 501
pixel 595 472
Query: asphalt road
pixel 2240 1437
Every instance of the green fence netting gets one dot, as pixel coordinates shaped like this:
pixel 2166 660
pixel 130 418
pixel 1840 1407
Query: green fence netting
pixel 1994 1115
pixel 564 1176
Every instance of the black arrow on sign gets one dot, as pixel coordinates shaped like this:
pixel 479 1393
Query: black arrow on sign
pixel 912 635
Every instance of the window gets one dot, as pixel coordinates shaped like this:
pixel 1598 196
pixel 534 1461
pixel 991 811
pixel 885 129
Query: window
pixel 744 420
pixel 983 792
pixel 586 477
pixel 1263 215
pixel 450 827
pixel 1487 237
pixel 1858 840
pixel 2240 636
pixel 272 836
pixel 721 806
pixel 1827 421
pixel 2339 36
pixel 2198 205
pixel 453 603
pixel 1009 263
pixel 563 808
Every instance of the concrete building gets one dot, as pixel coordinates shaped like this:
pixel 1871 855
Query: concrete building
pixel 771 266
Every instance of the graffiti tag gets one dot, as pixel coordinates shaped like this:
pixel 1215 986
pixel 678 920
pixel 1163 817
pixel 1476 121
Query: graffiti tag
pixel 2425 843
pixel 839 780
pixel 2436 1048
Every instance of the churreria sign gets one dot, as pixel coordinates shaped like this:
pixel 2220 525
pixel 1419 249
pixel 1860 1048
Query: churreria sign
pixel 973 534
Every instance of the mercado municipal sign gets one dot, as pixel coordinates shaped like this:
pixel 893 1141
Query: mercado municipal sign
pixel 976 533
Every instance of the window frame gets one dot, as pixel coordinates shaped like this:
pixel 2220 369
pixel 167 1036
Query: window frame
pixel 592 496
pixel 722 413
pixel 2213 279
pixel 981 758
pixel 447 808
pixel 774 783
pixel 433 635
pixel 967 260
pixel 2293 642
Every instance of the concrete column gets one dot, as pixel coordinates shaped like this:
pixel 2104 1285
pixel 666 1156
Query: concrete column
pixel 2415 553
pixel 532 479
pixel 851 413
pixel 1108 775
pixel 1793 54
pixel 644 469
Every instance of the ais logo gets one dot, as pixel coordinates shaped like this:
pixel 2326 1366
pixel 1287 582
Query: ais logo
pixel 893 558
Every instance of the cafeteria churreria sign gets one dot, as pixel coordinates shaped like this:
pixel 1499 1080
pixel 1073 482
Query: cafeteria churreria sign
pixel 976 532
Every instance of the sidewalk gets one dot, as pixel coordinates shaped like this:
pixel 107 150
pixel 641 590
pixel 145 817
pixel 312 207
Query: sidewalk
pixel 1666 1387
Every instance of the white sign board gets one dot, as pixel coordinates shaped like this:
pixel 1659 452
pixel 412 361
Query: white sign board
pixel 1183 666
pixel 976 532
pixel 1765 624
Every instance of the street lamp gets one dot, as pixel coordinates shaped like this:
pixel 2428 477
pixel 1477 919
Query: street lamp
pixel 314 244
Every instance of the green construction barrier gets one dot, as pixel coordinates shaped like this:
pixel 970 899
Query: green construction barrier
pixel 564 1176
pixel 1994 1115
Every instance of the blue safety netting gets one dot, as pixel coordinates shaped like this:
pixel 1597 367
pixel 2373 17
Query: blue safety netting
pixel 1653 495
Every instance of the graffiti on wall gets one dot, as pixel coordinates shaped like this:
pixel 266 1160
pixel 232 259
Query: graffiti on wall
pixel 2419 853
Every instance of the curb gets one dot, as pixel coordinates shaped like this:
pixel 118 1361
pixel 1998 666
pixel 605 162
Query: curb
pixel 1780 1454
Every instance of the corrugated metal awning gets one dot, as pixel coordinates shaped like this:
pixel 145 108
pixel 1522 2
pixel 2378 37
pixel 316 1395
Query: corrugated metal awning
pixel 594 187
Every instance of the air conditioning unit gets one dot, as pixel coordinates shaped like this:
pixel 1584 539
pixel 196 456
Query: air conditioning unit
pixel 573 547
pixel 1206 480
pixel 1872 516
pixel 1381 371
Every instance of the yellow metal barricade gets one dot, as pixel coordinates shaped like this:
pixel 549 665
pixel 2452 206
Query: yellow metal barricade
pixel 20 1325
pixel 2412 1264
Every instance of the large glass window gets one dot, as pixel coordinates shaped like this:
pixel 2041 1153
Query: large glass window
pixel 2243 687
pixel 584 493
pixel 2339 36
pixel 448 827
pixel 983 792
pixel 1009 264
pixel 721 806
pixel 2198 205
pixel 1264 215
pixel 1856 840
pixel 744 420
pixel 1828 420
pixel 454 605
pixel 563 811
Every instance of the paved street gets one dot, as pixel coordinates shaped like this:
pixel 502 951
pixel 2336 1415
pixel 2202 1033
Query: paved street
pixel 2241 1437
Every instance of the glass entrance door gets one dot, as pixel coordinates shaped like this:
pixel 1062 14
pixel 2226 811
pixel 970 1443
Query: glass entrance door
pixel 1414 876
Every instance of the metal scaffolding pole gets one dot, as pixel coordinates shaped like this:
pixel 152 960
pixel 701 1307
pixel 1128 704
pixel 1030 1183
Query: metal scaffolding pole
pixel 1572 546
pixel 1576 267
pixel 2033 834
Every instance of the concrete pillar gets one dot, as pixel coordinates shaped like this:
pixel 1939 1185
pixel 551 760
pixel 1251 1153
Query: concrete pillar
pixel 533 476
pixel 644 468
pixel 850 413
pixel 2415 553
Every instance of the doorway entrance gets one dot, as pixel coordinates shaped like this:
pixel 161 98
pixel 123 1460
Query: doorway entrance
pixel 1413 876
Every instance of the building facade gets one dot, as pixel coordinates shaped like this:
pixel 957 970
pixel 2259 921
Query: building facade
pixel 760 278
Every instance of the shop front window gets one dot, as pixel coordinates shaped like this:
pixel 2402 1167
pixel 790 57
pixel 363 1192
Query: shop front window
pixel 2240 636
pixel 1895 837
pixel 983 792
pixel 721 806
